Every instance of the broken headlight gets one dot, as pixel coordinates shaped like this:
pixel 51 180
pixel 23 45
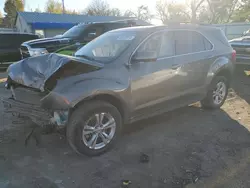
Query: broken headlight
pixel 37 51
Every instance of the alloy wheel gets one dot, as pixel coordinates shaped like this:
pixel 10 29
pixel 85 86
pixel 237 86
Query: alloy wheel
pixel 98 130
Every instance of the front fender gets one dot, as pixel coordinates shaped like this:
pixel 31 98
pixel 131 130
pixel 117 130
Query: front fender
pixel 75 93
pixel 219 65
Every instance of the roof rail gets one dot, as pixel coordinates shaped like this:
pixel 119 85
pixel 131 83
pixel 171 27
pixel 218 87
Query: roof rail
pixel 113 21
pixel 192 23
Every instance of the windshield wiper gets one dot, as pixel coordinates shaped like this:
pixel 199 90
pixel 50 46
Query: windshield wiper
pixel 87 57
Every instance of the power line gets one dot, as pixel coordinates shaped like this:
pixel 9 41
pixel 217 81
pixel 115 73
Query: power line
pixel 63 7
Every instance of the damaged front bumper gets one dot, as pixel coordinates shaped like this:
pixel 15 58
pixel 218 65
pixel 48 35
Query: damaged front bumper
pixel 28 103
pixel 34 112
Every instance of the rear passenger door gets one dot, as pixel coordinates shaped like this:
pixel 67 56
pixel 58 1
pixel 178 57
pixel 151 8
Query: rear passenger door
pixel 193 53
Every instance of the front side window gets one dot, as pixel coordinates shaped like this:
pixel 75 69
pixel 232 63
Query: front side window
pixel 107 46
pixel 167 47
pixel 153 44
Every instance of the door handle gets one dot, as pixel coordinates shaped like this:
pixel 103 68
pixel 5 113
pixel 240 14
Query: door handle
pixel 175 66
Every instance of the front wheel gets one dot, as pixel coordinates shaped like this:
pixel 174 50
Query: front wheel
pixel 217 93
pixel 94 127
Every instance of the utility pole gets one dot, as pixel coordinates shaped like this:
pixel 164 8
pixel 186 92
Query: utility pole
pixel 63 7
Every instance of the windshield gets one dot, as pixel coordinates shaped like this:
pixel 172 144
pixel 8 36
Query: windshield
pixel 106 47
pixel 74 31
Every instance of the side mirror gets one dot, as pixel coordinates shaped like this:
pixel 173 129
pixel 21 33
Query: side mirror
pixel 145 56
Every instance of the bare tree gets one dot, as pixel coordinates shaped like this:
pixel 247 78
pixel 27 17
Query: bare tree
pixel 98 8
pixel 53 6
pixel 142 13
pixel 171 12
pixel 115 12
pixel 194 6
pixel 162 11
pixel 37 10
pixel 222 11
pixel 1 18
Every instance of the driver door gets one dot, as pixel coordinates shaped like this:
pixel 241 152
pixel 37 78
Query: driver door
pixel 152 82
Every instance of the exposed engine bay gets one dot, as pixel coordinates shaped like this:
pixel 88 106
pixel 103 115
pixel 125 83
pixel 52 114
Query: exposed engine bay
pixel 32 81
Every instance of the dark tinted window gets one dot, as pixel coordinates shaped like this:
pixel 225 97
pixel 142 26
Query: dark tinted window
pixel 91 33
pixel 113 26
pixel 190 42
pixel 15 39
pixel 167 45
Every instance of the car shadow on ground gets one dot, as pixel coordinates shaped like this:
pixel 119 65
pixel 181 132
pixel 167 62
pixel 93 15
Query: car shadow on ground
pixel 241 82
pixel 186 147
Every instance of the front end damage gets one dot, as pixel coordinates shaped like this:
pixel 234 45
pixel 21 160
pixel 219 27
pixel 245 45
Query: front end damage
pixel 32 82
pixel 27 103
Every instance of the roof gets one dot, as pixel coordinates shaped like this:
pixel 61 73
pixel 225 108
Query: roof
pixel 164 27
pixel 138 28
pixel 36 17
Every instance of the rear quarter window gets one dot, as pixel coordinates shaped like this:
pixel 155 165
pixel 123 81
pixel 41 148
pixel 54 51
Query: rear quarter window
pixel 187 41
pixel 207 44
pixel 219 35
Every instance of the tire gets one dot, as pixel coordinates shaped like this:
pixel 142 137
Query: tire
pixel 209 101
pixel 87 114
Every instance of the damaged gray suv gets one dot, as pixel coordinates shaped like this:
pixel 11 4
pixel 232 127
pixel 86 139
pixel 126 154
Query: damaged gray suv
pixel 120 77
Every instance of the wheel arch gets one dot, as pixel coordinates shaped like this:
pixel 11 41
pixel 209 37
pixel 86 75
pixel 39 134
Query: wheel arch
pixel 225 73
pixel 221 67
pixel 114 100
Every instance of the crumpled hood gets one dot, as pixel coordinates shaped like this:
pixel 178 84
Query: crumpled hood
pixel 35 71
pixel 44 40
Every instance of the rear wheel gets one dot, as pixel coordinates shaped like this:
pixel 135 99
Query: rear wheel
pixel 216 94
pixel 94 127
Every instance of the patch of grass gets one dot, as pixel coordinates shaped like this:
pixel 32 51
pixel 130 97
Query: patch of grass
pixel 2 80
pixel 66 52
pixel 247 73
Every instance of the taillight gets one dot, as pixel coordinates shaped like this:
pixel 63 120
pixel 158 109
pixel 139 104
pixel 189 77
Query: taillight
pixel 234 56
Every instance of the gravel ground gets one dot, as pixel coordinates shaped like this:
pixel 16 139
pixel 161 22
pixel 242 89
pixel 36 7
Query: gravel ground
pixel 189 147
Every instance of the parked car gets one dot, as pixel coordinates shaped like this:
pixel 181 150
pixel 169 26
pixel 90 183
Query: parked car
pixel 120 77
pixel 73 39
pixel 242 47
pixel 246 33
pixel 10 43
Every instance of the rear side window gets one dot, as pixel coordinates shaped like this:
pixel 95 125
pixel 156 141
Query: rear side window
pixel 190 42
